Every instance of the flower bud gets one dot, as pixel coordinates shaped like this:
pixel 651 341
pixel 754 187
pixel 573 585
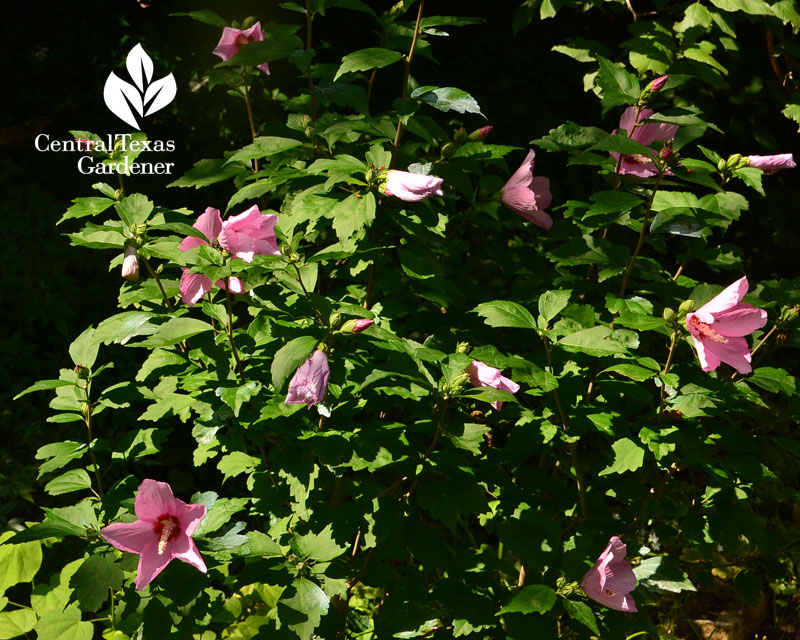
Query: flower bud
pixel 357 325
pixel 83 372
pixel 119 194
pixel 86 409
pixel 733 161
pixel 722 166
pixel 789 314
pixel 130 263
pixel 658 83
pixel 248 22
pixel 462 347
pixel 481 134
pixel 685 307
pixel 85 145
pixel 669 314
pixel 448 149
pixel 335 320
pixel 460 136
pixel 667 153
pixel 397 9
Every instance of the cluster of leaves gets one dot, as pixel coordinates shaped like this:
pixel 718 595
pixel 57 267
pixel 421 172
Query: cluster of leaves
pixel 407 506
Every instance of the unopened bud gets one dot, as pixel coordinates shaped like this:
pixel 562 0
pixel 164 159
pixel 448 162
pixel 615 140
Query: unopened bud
pixel 462 347
pixel 397 9
pixel 789 314
pixel 119 194
pixel 721 166
pixel 86 409
pixel 85 145
pixel 83 372
pixel 130 263
pixel 734 160
pixel 685 307
pixel 248 22
pixel 460 136
pixel 481 134
pixel 669 314
pixel 335 320
pixel 235 24
pixel 371 175
pixel 667 153
pixel 658 83
pixel 357 325
pixel 448 150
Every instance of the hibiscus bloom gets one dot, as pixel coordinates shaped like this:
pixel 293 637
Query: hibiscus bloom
pixel 244 236
pixel 771 164
pixel 482 375
pixel 719 326
pixel 611 579
pixel 233 40
pixel 162 532
pixel 529 196
pixel 310 381
pixel 641 165
pixel 412 187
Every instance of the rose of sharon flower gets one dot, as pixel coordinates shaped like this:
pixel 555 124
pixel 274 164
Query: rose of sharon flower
pixel 233 40
pixel 162 532
pixel 658 83
pixel 529 196
pixel 611 579
pixel 310 381
pixel 482 375
pixel 361 324
pixel 719 326
pixel 130 264
pixel 244 236
pixel 771 164
pixel 412 187
pixel 641 165
pixel 84 144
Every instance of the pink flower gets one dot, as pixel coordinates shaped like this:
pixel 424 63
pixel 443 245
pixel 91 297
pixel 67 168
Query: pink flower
pixel 658 83
pixel 641 165
pixel 412 187
pixel 361 324
pixel 130 264
pixel 611 579
pixel 84 144
pixel 482 375
pixel 485 131
pixel 233 40
pixel 243 236
pixel 310 381
pixel 529 196
pixel 771 164
pixel 162 532
pixel 719 326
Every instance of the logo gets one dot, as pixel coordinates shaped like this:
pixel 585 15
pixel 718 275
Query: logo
pixel 144 97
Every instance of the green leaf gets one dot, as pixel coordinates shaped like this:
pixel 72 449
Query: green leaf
pixel 91 582
pixel 263 147
pixel 752 177
pixel 365 59
pixel 83 350
pixel 319 547
pixel 233 464
pixel 628 456
pixel 309 601
pixel 352 215
pixel 618 85
pixel 73 480
pixel 289 357
pixel 20 562
pixel 447 99
pixel 134 210
pixel 121 327
pixel 220 514
pixel 504 313
pixel 235 397
pixel 632 371
pixel 470 437
pixel 621 143
pixel 173 331
pixel 773 380
pixel 260 544
pixel 180 228
pixel 58 454
pixel 753 7
pixel 84 207
pixel 44 385
pixel 661 574
pixel 581 612
pixel 551 303
pixel 209 171
pixel 596 341
pixel 535 598
pixel 206 16
pixel 15 623
pixel 64 625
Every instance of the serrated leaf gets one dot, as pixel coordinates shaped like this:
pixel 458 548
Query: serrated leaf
pixel 206 16
pixel 596 341
pixel 535 598
pixel 551 303
pixel 209 171
pixel 235 397
pixel 64 625
pixel 219 514
pixel 447 99
pixel 773 380
pixel 263 147
pixel 92 581
pixel 134 210
pixel 84 207
pixel 232 464
pixel 306 598
pixel 365 59
pixel 16 623
pixel 44 385
pixel 83 349
pixel 661 573
pixel 504 313
pixel 628 456
pixel 174 331
pixel 352 215
pixel 581 612
pixel 72 480
pixel 320 547
pixel 20 562
pixel 618 85
pixel 632 371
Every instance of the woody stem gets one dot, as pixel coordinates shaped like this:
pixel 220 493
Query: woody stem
pixel 230 331
pixel 665 372
pixel 249 106
pixel 309 22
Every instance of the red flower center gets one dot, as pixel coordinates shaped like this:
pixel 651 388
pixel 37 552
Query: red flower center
pixel 706 331
pixel 609 592
pixel 166 528
pixel 241 40
pixel 639 158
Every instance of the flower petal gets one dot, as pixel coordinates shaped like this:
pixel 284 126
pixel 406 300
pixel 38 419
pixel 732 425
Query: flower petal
pixel 740 320
pixel 189 515
pixel 193 287
pixel 541 189
pixel 731 296
pixel 129 536
pixel 190 555
pixel 735 352
pixel 310 381
pixel 249 234
pixel 522 177
pixel 151 563
pixel 154 499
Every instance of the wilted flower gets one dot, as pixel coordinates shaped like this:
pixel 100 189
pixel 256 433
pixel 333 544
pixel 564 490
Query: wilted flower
pixel 244 236
pixel 641 165
pixel 482 375
pixel 412 187
pixel 162 532
pixel 529 196
pixel 130 263
pixel 771 164
pixel 658 83
pixel 310 381
pixel 233 40
pixel 719 326
pixel 611 579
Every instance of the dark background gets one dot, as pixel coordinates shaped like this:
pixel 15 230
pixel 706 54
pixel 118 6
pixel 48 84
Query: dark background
pixel 58 55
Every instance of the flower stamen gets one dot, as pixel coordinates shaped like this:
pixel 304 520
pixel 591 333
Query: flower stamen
pixel 706 331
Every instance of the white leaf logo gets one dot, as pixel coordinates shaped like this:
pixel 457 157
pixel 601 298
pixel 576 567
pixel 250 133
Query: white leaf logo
pixel 128 101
